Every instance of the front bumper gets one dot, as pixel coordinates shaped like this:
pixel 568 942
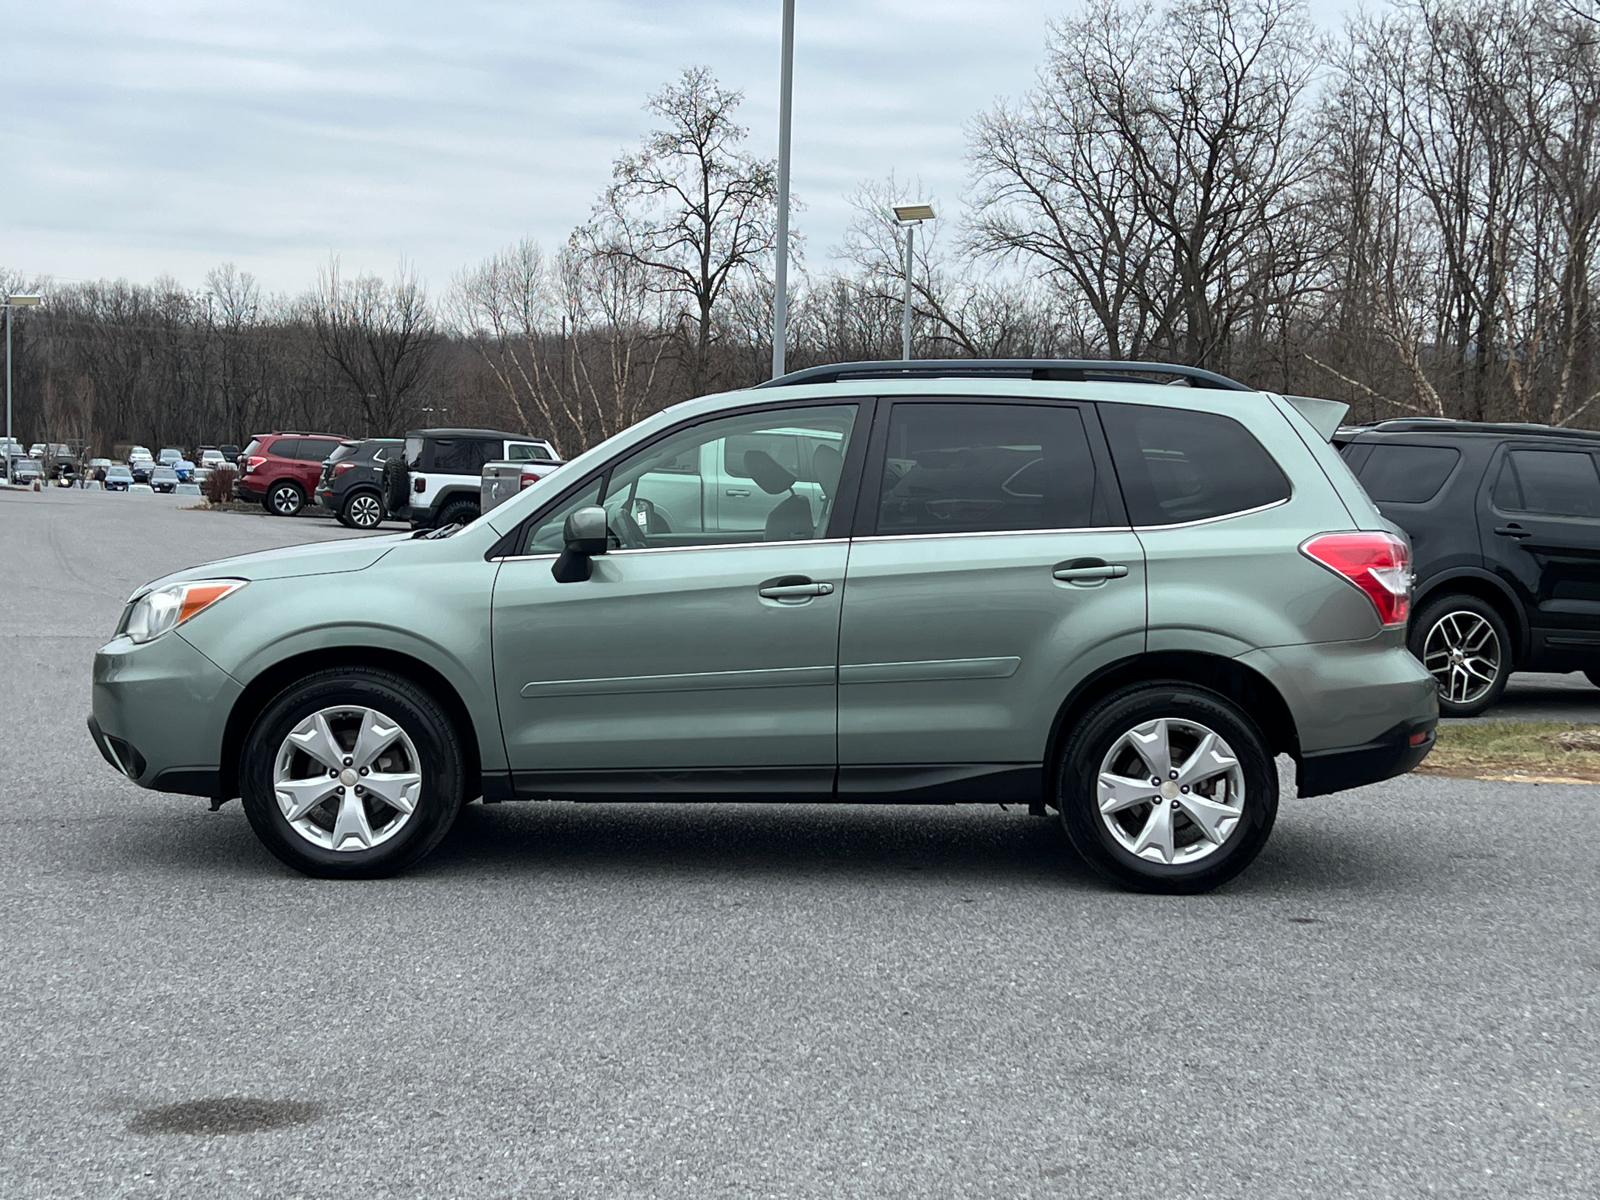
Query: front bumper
pixel 159 713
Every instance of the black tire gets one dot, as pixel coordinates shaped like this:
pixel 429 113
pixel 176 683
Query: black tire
pixel 284 499
pixel 457 512
pixel 396 485
pixel 1593 677
pixel 362 509
pixel 1101 730
pixel 432 734
pixel 1455 616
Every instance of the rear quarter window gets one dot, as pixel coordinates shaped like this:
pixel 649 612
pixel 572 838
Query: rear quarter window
pixel 1177 465
pixel 1407 474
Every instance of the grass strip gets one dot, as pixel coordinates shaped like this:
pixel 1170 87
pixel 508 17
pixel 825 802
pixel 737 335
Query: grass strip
pixel 1529 751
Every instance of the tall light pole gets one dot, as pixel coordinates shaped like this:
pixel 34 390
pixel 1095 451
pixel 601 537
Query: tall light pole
pixel 909 216
pixel 10 303
pixel 780 281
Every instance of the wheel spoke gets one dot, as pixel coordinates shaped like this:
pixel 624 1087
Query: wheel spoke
pixel 1156 834
pixel 377 735
pixel 399 791
pixel 297 797
pixel 1151 742
pixel 1118 792
pixel 315 738
pixel 352 822
pixel 1207 762
pixel 1215 817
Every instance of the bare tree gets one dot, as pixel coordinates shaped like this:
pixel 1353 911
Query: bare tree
pixel 380 336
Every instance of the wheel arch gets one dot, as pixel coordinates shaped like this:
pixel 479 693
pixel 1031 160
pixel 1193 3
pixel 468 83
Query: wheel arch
pixel 266 686
pixel 1229 678
pixel 1488 588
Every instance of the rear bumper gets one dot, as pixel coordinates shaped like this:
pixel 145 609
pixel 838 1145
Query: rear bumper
pixel 244 491
pixel 1396 752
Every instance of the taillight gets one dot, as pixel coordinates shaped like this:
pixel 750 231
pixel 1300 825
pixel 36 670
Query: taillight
pixel 254 461
pixel 419 484
pixel 1378 563
pixel 530 475
pixel 340 468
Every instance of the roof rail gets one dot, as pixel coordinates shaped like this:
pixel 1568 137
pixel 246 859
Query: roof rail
pixel 1449 425
pixel 1073 370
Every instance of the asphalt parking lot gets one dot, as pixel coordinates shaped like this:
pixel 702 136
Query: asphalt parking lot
pixel 1398 999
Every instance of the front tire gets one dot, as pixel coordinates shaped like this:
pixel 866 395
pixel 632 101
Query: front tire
pixel 354 773
pixel 285 499
pixel 1165 787
pixel 1465 645
pixel 457 512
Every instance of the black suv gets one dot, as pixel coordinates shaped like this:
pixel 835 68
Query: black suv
pixel 352 481
pixel 1504 523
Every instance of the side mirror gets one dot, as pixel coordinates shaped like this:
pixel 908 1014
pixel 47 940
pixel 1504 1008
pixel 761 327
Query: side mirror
pixel 585 534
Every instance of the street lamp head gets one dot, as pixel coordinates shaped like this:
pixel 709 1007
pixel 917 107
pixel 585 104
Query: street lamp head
pixel 910 214
pixel 21 301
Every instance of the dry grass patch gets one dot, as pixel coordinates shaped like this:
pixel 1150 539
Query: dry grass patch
pixel 1529 751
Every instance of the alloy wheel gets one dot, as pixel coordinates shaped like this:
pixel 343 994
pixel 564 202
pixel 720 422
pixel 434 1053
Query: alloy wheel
pixel 347 778
pixel 365 511
pixel 285 501
pixel 1462 652
pixel 1171 791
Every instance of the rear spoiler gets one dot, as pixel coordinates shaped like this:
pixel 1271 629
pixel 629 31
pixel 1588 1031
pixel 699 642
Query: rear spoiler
pixel 1325 415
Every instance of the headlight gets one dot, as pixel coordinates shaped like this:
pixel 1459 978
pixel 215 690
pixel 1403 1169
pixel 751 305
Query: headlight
pixel 166 608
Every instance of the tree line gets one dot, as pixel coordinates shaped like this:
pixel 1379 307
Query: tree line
pixel 1402 217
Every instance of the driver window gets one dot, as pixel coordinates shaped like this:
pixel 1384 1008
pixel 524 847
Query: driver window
pixel 758 477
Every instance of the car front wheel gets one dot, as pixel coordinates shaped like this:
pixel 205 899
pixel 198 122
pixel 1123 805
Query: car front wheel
pixel 363 510
pixel 1465 645
pixel 285 499
pixel 352 774
pixel 1165 787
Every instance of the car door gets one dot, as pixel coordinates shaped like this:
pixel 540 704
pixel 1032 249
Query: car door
pixel 991 571
pixel 692 660
pixel 1540 526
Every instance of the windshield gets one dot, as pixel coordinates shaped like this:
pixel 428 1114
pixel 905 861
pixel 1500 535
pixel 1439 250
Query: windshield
pixel 343 451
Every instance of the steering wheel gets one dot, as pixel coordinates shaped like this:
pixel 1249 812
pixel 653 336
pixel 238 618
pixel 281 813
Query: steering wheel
pixel 627 530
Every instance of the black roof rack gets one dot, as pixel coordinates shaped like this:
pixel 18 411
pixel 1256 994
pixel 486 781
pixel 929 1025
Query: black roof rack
pixel 1449 425
pixel 1073 370
pixel 474 433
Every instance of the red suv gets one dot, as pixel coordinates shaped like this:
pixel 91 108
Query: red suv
pixel 281 469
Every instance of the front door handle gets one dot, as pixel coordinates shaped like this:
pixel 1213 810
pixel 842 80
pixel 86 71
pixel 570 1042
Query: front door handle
pixel 798 589
pixel 740 492
pixel 1513 530
pixel 1089 572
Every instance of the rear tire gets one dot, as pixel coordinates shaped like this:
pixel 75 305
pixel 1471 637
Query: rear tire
pixel 347 835
pixel 362 510
pixel 1460 639
pixel 1158 738
pixel 457 512
pixel 284 499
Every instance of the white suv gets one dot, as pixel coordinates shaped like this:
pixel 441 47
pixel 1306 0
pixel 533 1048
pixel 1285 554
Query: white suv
pixel 438 481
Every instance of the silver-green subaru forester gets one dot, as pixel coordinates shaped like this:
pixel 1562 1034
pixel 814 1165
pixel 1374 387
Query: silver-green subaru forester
pixel 1067 585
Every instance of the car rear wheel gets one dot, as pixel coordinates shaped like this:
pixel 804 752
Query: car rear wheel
pixel 284 499
pixel 458 512
pixel 362 510
pixel 1465 645
pixel 352 774
pixel 1165 787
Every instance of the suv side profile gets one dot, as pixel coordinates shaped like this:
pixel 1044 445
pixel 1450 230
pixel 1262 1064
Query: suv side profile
pixel 1063 585
pixel 281 470
pixel 1504 522
pixel 351 484
pixel 438 480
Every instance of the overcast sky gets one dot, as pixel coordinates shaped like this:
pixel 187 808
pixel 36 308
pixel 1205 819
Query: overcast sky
pixel 166 136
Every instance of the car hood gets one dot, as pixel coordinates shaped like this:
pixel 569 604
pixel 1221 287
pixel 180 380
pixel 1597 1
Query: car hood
pixel 317 558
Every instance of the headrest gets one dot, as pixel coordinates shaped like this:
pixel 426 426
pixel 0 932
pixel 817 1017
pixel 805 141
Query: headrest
pixel 827 464
pixel 769 476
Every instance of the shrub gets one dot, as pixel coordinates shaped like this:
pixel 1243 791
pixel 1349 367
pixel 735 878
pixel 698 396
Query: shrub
pixel 219 485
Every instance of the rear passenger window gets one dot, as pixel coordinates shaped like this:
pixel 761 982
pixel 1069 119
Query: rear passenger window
pixel 1177 465
pixel 1407 474
pixel 1560 483
pixel 965 468
pixel 463 456
pixel 315 449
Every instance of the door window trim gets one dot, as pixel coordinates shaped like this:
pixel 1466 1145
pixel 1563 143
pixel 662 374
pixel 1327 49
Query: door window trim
pixel 839 518
pixel 870 492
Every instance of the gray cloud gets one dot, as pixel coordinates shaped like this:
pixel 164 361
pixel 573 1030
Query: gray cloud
pixel 164 136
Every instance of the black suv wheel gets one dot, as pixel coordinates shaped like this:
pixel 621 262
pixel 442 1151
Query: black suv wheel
pixel 1165 787
pixel 457 512
pixel 1466 647
pixel 362 510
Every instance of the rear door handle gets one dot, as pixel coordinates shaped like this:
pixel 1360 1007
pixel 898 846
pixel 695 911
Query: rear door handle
pixel 1088 574
pixel 1515 531
pixel 794 591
